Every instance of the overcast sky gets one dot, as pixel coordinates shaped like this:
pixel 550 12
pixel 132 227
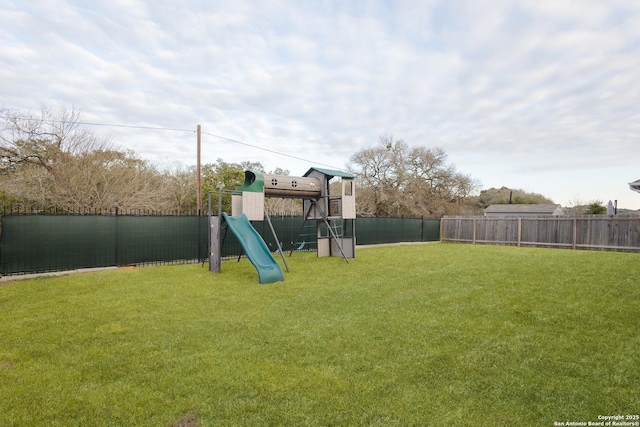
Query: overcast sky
pixel 532 94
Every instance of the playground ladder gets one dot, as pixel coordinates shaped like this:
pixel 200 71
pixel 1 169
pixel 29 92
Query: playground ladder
pixel 330 229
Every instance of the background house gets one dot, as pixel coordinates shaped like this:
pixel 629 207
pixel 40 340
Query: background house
pixel 524 210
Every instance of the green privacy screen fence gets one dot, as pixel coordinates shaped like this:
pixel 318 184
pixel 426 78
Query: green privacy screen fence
pixel 42 243
pixel 372 231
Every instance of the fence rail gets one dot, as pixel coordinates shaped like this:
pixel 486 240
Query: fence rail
pixel 79 211
pixel 588 232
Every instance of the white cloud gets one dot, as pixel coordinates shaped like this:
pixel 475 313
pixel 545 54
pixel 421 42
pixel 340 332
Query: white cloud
pixel 532 92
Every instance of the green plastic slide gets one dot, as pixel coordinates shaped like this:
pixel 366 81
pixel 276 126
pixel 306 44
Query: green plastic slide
pixel 255 248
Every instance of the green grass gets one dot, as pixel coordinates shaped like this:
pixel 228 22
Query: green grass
pixel 436 334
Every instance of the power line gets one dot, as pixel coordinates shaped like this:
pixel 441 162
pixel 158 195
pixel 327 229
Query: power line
pixel 271 151
pixel 136 127
pixel 186 130
pixel 34 119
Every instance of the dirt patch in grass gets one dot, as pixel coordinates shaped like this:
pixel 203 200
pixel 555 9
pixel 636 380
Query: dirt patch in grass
pixel 188 420
pixel 6 364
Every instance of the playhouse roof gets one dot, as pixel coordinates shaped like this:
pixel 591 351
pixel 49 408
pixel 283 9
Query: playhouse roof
pixel 331 173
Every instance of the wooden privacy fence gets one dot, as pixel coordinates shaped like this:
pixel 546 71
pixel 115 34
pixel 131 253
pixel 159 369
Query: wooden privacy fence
pixel 586 232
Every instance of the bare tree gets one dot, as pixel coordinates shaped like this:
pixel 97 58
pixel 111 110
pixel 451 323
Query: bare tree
pixel 180 188
pixel 376 169
pixel 50 159
pixel 395 179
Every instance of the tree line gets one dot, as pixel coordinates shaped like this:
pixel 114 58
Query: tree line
pixel 48 159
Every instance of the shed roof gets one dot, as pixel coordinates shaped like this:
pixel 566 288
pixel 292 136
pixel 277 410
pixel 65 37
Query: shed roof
pixel 523 208
pixel 330 172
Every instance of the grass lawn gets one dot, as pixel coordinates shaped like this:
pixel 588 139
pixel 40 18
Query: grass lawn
pixel 437 334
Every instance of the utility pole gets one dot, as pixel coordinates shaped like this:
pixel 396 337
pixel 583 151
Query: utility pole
pixel 199 195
